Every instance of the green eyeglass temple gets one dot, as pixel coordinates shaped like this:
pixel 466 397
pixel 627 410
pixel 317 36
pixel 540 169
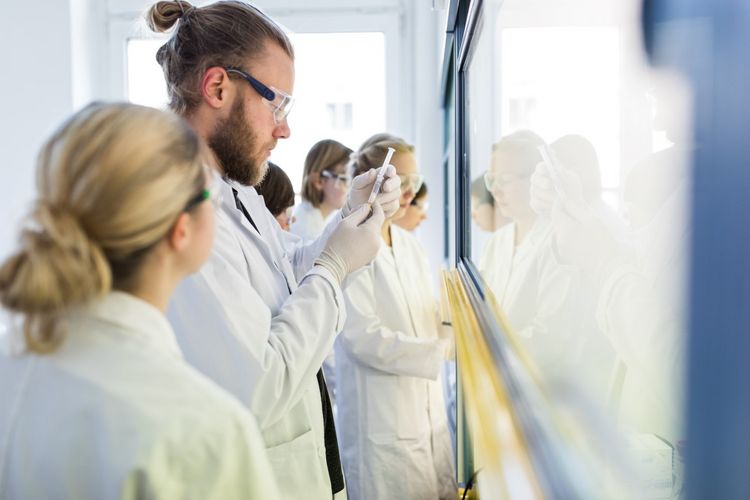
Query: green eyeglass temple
pixel 198 199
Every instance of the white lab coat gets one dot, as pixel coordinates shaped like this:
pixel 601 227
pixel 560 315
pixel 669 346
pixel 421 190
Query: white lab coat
pixel 537 294
pixel 237 323
pixel 309 224
pixel 392 419
pixel 642 310
pixel 115 413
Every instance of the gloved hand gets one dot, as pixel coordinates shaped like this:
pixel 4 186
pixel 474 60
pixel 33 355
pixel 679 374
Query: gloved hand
pixel 389 195
pixel 554 188
pixel 354 243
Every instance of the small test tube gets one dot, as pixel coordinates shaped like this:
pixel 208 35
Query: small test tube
pixel 381 175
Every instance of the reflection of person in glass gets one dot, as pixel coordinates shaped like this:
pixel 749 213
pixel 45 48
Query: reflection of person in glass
pixel 638 282
pixel 484 213
pixel 392 421
pixel 529 284
pixel 567 192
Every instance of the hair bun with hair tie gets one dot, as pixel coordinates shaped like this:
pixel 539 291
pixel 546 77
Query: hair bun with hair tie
pixel 185 11
pixel 59 225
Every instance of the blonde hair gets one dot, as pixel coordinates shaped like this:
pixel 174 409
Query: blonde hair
pixel 324 155
pixel 522 146
pixel 372 152
pixel 220 34
pixel 111 183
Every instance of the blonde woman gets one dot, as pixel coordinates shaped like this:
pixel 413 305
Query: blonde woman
pixel 416 212
pixel 391 414
pixel 324 187
pixel 100 404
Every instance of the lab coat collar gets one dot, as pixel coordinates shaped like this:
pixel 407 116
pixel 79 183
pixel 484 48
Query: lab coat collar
pixel 267 233
pixel 140 321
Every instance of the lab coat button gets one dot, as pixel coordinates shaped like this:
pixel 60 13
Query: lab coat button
pixel 322 451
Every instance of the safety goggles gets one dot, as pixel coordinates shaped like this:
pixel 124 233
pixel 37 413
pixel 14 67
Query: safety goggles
pixel 411 180
pixel 213 194
pixel 492 179
pixel 421 204
pixel 280 102
pixel 343 179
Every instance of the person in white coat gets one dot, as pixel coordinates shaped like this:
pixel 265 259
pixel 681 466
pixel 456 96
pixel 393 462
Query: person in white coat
pixel 325 183
pixel 96 400
pixel 261 315
pixel 392 417
pixel 416 212
pixel 278 195
pixel 531 285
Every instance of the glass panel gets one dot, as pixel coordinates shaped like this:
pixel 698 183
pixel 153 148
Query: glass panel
pixel 577 153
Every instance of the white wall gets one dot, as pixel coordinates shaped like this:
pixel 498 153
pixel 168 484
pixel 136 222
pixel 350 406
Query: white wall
pixel 89 29
pixel 37 95
pixel 424 28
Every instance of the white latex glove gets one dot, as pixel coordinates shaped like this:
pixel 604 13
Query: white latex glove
pixel 389 195
pixel 581 239
pixel 353 243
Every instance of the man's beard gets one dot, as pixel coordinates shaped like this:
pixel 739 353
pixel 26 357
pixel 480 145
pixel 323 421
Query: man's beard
pixel 234 143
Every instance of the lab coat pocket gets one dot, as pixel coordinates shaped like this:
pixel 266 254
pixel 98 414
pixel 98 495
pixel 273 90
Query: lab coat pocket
pixel 380 399
pixel 297 462
pixel 400 469
pixel 392 404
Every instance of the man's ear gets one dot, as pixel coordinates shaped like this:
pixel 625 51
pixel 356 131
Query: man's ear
pixel 179 235
pixel 215 87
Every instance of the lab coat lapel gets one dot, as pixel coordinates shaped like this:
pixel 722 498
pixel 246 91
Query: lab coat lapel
pixel 505 248
pixel 523 264
pixel 264 238
pixel 403 261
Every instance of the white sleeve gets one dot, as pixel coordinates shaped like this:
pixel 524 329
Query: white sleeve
pixel 372 344
pixel 552 327
pixel 303 254
pixel 227 331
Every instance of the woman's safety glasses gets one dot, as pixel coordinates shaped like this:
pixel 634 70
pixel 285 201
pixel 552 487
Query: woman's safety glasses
pixel 339 179
pixel 411 180
pixel 492 179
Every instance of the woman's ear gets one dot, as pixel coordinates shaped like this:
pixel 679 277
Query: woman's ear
pixel 179 235
pixel 316 180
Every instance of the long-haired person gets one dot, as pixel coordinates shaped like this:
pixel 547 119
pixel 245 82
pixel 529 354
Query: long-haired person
pixel 522 267
pixel 260 317
pixel 99 404
pixel 391 413
pixel 278 195
pixel 325 183
pixel 416 212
